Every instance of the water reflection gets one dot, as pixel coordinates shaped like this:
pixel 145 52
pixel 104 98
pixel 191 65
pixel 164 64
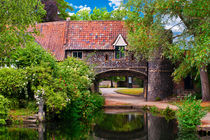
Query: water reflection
pixel 120 126
pixel 161 129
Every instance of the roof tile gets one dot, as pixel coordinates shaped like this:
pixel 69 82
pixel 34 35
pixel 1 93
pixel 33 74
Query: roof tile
pixel 57 37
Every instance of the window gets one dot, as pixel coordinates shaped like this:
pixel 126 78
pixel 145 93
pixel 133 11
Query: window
pixel 119 52
pixel 188 83
pixel 77 54
pixel 106 57
pixel 67 53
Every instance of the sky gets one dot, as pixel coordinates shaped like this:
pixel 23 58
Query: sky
pixel 91 4
pixel 114 4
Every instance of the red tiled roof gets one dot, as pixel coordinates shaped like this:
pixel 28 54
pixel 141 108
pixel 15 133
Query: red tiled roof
pixel 57 37
pixel 93 35
pixel 52 38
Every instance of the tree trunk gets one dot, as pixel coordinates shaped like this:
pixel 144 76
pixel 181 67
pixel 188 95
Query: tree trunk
pixel 204 84
pixel 112 84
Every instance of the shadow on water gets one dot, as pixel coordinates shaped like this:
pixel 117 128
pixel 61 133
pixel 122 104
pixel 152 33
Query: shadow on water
pixel 114 125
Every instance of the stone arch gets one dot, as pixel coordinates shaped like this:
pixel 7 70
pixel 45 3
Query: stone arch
pixel 121 72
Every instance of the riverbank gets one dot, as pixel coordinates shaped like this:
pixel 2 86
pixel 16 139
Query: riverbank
pixel 115 100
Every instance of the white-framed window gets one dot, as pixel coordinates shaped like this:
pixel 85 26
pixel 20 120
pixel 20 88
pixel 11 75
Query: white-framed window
pixel 120 46
pixel 119 52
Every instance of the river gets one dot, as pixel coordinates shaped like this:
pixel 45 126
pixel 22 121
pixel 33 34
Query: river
pixel 111 124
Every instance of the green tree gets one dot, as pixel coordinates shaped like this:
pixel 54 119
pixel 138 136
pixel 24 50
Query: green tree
pixel 196 20
pixel 32 55
pixel 119 14
pixel 56 10
pixel 16 18
pixel 63 8
pixel 100 14
pixel 145 22
pixel 83 14
pixel 33 58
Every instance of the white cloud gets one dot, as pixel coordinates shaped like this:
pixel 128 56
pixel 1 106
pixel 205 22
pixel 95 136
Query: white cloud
pixel 71 14
pixel 115 3
pixel 85 8
pixel 174 23
pixel 80 7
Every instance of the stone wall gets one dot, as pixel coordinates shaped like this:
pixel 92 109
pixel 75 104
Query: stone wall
pixel 160 84
pixel 156 73
pixel 104 61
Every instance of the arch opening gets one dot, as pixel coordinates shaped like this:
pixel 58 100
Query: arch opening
pixel 130 79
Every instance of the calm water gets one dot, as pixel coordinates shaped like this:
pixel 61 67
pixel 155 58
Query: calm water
pixel 112 125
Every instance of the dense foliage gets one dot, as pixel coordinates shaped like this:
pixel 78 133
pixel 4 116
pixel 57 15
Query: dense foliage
pixel 64 86
pixel 190 48
pixel 32 55
pixel 12 82
pixel 28 73
pixel 3 109
pixel 99 14
pixel 56 10
pixel 16 17
pixel 189 114
pixel 77 77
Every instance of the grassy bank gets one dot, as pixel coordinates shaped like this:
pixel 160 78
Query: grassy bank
pixel 131 91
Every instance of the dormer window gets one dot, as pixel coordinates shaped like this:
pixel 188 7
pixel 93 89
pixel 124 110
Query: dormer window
pixel 119 46
pixel 119 52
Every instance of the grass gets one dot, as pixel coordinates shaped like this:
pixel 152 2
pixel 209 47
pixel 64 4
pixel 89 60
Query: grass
pixel 131 91
pixel 104 86
pixel 21 112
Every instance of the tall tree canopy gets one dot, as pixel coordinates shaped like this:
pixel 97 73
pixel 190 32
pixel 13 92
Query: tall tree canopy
pixel 195 16
pixel 16 16
pixel 99 14
pixel 190 48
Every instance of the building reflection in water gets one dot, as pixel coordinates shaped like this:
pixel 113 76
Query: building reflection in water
pixel 120 126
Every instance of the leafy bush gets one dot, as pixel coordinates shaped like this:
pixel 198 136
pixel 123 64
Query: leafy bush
pixel 76 74
pixel 83 106
pixel 189 114
pixel 12 82
pixel 154 110
pixel 13 103
pixel 51 89
pixel 32 55
pixel 55 100
pixel 168 113
pixel 3 109
pixel 63 86
pixel 77 77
